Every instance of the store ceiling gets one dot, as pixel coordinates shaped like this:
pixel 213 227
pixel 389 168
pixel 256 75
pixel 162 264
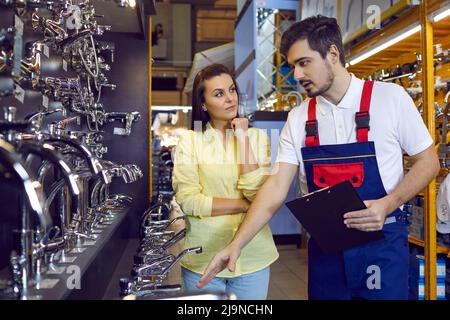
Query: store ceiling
pixel 128 20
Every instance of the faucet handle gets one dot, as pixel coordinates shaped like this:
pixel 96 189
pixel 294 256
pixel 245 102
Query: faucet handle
pixel 50 235
pixel 10 113
pixel 125 286
pixel 16 288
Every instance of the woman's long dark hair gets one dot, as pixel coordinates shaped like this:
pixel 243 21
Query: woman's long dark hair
pixel 198 91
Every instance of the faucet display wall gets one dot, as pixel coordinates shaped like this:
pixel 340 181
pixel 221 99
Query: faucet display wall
pixel 54 154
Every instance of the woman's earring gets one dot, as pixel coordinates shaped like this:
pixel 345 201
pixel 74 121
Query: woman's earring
pixel 204 108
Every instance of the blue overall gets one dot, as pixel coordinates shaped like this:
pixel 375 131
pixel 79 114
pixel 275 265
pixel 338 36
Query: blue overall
pixel 378 270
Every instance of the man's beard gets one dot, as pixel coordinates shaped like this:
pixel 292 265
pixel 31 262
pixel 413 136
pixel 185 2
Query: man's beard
pixel 326 86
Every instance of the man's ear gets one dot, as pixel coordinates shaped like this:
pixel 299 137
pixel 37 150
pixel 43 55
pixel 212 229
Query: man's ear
pixel 333 54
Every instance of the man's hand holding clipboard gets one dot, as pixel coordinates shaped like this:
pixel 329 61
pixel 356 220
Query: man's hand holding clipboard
pixel 322 214
pixel 370 219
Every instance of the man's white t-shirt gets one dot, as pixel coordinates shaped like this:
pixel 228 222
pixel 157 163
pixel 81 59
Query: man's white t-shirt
pixel 395 126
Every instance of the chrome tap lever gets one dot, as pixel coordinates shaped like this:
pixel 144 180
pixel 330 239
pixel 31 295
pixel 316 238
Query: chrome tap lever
pixel 49 236
pixel 137 171
pixel 159 244
pixel 151 236
pixel 37 116
pixel 160 225
pixel 160 267
pixel 152 267
pixel 148 226
pixel 180 235
pixel 163 245
pixel 58 128
pixel 128 117
pixel 128 175
pixel 195 250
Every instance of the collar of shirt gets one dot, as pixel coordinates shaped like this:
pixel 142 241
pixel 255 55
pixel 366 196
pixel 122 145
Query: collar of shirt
pixel 209 133
pixel 350 100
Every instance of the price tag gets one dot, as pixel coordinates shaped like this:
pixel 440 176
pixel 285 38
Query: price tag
pixel 46 51
pixel 45 102
pixel 19 93
pixel 120 131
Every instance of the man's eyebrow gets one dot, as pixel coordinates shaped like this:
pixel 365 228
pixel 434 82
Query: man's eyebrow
pixel 298 60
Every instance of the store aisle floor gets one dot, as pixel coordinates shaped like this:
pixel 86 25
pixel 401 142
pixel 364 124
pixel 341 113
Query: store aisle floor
pixel 289 275
pixel 288 279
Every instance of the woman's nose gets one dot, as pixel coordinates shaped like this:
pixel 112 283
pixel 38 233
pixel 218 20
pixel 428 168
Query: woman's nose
pixel 228 97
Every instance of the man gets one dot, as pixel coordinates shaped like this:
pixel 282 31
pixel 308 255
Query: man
pixel 349 130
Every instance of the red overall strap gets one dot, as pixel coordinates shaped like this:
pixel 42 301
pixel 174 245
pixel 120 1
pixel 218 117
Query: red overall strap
pixel 362 117
pixel 311 127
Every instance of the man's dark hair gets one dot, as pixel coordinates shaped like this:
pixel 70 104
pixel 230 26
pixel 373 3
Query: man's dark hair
pixel 321 32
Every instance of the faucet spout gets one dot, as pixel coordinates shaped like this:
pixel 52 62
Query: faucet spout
pixel 10 159
pixel 50 153
pixel 93 163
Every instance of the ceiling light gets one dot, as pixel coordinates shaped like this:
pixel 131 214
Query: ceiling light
pixel 399 36
pixel 171 108
pixel 441 15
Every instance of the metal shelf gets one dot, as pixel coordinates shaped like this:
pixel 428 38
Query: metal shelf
pixel 82 264
pixel 439 249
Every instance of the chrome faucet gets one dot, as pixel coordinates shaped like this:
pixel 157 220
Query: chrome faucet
pixel 11 161
pixel 164 245
pixel 48 152
pixel 157 269
pixel 133 287
pixel 158 226
pixel 93 163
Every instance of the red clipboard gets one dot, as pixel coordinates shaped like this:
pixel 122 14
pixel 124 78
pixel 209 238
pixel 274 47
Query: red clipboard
pixel 321 214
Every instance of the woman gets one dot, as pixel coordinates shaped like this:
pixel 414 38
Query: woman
pixel 219 166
